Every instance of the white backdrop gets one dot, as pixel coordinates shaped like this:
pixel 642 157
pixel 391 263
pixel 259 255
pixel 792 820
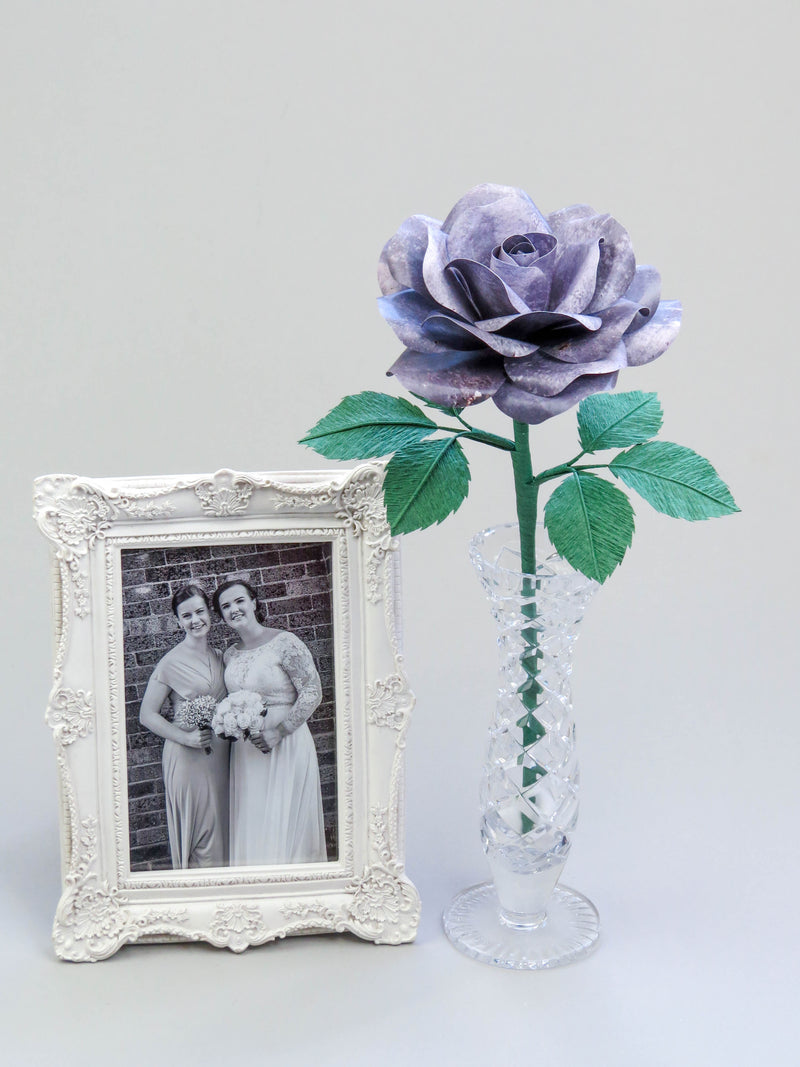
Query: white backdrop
pixel 193 199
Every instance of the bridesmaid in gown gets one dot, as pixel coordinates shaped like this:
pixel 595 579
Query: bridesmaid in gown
pixel 275 799
pixel 196 780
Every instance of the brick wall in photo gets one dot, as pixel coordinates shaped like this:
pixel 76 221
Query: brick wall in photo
pixel 294 586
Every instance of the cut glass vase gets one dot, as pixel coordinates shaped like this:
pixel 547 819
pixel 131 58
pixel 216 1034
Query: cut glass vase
pixel 523 919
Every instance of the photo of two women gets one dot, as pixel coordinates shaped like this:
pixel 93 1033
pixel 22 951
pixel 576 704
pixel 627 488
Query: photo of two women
pixel 208 632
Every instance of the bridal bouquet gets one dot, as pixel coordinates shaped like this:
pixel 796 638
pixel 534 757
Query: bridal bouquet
pixel 196 713
pixel 238 715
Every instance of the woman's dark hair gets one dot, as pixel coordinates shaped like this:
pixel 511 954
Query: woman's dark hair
pixel 245 585
pixel 186 592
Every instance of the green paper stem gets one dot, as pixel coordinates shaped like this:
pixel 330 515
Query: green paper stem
pixel 526 488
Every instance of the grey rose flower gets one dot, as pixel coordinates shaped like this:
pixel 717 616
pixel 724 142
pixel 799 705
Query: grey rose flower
pixel 535 312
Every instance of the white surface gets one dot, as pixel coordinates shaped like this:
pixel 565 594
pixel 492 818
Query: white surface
pixel 193 199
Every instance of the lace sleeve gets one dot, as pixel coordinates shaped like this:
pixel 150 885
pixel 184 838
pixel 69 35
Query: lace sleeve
pixel 298 663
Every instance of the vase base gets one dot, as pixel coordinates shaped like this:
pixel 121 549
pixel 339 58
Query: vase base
pixel 473 924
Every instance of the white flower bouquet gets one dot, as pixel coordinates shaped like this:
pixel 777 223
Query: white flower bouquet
pixel 196 713
pixel 239 715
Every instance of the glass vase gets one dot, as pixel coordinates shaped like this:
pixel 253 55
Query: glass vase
pixel 523 918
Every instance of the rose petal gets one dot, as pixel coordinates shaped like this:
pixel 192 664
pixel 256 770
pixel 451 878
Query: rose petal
pixel 531 284
pixel 559 220
pixel 405 312
pixel 538 326
pixel 655 337
pixel 485 216
pixel 545 376
pixel 530 408
pixel 443 288
pixel 593 346
pixel 400 264
pixel 489 293
pixel 520 247
pixel 577 225
pixel 462 335
pixel 645 291
pixel 450 378
pixel 617 265
pixel 575 276
pixel 529 276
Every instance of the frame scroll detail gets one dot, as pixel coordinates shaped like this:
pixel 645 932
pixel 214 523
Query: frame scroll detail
pixel 92 921
pixel 103 905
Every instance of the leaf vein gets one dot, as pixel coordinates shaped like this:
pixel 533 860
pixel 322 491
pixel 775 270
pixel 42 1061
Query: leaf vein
pixel 585 513
pixel 423 481
pixel 665 478
pixel 616 422
pixel 365 425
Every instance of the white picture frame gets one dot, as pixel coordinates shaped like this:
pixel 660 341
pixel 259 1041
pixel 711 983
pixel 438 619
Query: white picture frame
pixel 106 903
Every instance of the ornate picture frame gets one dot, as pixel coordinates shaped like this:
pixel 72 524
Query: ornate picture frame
pixel 93 526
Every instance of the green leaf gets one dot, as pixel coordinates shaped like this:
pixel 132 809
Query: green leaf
pixel 616 420
pixel 424 484
pixel 674 480
pixel 366 425
pixel 590 523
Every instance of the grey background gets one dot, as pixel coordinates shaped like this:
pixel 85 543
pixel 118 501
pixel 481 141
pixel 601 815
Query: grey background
pixel 193 199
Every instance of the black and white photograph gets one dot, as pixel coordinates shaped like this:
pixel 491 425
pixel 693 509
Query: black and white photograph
pixel 229 700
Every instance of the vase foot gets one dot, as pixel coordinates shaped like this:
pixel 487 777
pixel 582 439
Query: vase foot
pixel 473 924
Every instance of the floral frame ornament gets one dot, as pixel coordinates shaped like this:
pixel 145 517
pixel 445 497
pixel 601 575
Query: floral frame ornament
pixel 364 891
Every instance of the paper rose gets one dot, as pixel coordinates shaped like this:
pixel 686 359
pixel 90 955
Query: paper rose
pixel 535 312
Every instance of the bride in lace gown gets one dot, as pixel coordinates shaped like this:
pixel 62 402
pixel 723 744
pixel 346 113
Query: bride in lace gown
pixel 275 795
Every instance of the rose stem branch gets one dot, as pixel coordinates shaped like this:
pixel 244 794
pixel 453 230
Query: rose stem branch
pixel 492 439
pixel 481 436
pixel 569 468
pixel 561 469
